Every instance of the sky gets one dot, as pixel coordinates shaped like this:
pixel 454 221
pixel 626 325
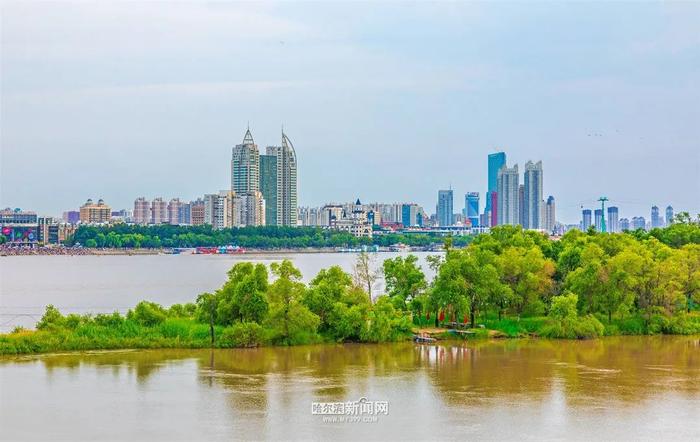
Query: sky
pixel 385 102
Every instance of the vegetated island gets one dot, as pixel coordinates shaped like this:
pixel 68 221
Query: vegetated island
pixel 508 283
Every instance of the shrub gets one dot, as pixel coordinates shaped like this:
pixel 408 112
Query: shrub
pixel 113 320
pixel 147 313
pixel 52 319
pixel 242 334
pixel 565 323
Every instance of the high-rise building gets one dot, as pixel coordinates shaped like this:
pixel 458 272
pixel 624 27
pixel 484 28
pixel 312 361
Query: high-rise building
pixel 532 212
pixel 184 214
pixel 286 188
pixel 71 216
pixel 493 212
pixel 268 185
pixel 245 166
pixel 445 207
pixel 656 220
pixel 91 213
pixel 174 211
pixel 249 209
pixel 521 205
pixel 159 211
pixel 669 215
pixel 638 222
pixel 585 219
pixel 550 217
pixel 508 195
pixel 624 224
pixel 410 215
pixel 142 211
pixel 471 207
pixel 598 216
pixel 613 223
pixel 496 161
pixel 197 212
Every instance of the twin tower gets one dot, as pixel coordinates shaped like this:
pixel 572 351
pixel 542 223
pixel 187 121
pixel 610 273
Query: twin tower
pixel 270 178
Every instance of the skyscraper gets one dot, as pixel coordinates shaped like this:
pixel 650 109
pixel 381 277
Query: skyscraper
pixel 598 215
pixel 286 200
pixel 521 204
pixel 245 183
pixel 496 161
pixel 268 185
pixel 174 207
pixel 445 207
pixel 508 195
pixel 533 196
pixel 638 222
pixel 624 224
pixel 471 207
pixel 613 223
pixel 550 217
pixel 245 166
pixel 669 215
pixel 585 219
pixel 656 220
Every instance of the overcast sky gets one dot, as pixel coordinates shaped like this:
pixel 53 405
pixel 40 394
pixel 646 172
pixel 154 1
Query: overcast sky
pixel 385 102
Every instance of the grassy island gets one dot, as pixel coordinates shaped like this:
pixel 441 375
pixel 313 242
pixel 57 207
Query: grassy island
pixel 509 283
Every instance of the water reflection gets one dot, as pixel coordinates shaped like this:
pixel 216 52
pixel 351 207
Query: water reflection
pixel 445 384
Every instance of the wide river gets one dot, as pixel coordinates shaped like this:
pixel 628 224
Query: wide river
pixel 627 388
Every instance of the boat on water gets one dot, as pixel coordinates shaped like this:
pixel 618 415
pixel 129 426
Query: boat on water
pixel 223 250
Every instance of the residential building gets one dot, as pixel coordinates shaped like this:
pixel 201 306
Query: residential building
pixel 471 208
pixel 197 212
pixel 669 215
pixel 624 224
pixel 656 219
pixel 286 175
pixel 532 200
pixel 445 207
pixel 613 222
pixel 508 195
pixel 249 209
pixel 495 162
pixel 411 215
pixel 174 207
pixel 638 222
pixel 484 220
pixel 550 217
pixel 91 213
pixel 142 211
pixel 159 211
pixel 598 216
pixel 586 219
pixel 71 217
pixel 184 214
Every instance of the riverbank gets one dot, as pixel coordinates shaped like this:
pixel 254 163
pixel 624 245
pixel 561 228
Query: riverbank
pixel 114 332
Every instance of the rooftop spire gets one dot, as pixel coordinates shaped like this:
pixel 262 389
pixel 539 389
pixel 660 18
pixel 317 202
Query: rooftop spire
pixel 248 137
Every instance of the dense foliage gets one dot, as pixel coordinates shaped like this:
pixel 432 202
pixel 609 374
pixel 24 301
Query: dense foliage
pixel 518 282
pixel 267 237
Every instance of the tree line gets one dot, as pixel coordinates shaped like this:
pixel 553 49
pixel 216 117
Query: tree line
pixel 262 237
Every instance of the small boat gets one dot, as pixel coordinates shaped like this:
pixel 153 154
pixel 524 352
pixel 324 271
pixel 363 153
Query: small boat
pixel 423 339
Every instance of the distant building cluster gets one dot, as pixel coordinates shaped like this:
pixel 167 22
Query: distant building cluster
pixel 614 224
pixel 263 192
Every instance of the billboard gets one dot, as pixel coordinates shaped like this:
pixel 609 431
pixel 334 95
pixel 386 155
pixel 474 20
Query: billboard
pixel 19 234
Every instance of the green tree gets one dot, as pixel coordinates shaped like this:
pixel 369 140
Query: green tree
pixel 404 278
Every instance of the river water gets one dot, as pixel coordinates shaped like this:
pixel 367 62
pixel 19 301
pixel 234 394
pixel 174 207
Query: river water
pixel 626 388
pixel 631 388
pixel 103 284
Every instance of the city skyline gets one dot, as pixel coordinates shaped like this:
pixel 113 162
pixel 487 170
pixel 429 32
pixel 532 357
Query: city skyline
pixel 162 125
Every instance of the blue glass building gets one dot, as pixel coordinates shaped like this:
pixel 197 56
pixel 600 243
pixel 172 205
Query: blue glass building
pixel 496 161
